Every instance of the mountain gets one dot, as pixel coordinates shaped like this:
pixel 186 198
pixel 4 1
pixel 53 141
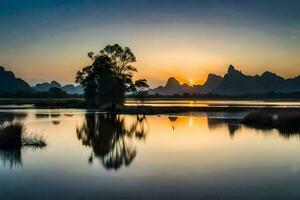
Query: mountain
pixel 9 83
pixel 237 83
pixel 174 87
pixel 44 87
pixel 211 83
pixel 70 89
pixel 234 82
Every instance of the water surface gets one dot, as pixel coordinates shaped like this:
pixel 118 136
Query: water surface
pixel 216 103
pixel 93 155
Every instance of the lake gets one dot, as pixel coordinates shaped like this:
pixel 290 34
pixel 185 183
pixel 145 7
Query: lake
pixel 203 155
pixel 215 103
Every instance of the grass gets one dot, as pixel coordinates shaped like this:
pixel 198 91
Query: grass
pixel 13 136
pixel 34 141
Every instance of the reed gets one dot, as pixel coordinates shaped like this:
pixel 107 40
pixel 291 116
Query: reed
pixel 13 136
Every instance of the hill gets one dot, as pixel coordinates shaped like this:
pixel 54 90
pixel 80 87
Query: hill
pixel 11 84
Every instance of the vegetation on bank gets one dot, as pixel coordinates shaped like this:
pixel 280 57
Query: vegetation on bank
pixel 45 102
pixel 51 93
pixel 285 121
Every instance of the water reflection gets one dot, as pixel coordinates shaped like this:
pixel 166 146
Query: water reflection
pixel 173 121
pixel 111 138
pixel 42 115
pixel 12 132
pixel 9 117
pixel 233 125
pixel 11 158
pixel 286 133
pixel 198 158
pixel 55 115
pixel 55 122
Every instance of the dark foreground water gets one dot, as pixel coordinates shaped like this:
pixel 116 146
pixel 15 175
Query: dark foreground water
pixel 194 156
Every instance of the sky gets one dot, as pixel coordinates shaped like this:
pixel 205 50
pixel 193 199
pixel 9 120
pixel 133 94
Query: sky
pixel 44 40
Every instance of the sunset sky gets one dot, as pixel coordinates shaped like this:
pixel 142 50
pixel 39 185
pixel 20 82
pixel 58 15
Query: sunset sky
pixel 43 40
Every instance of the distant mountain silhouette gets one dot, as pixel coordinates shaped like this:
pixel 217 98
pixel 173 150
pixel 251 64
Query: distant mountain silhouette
pixel 211 83
pixel 72 89
pixel 174 87
pixel 233 83
pixel 9 83
pixel 45 86
pixel 69 89
pixel 237 83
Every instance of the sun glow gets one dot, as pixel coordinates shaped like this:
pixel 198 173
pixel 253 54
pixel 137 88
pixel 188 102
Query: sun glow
pixel 191 82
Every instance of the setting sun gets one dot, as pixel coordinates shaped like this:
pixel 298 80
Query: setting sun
pixel 191 82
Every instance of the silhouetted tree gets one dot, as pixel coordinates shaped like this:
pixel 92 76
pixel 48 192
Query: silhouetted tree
pixel 140 90
pixel 109 77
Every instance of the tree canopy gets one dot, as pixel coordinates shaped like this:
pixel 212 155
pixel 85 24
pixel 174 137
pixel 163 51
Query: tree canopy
pixel 110 76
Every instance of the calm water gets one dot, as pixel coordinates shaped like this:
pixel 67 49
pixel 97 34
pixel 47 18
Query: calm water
pixel 216 103
pixel 193 156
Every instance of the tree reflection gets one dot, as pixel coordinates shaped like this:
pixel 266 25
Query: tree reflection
pixel 111 138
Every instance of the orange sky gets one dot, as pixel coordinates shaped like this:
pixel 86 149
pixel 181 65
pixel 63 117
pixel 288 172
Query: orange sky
pixel 168 39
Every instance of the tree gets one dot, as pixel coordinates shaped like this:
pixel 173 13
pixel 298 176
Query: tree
pixel 109 77
pixel 140 90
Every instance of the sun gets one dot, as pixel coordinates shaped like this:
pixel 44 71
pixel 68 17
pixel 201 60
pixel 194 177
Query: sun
pixel 191 82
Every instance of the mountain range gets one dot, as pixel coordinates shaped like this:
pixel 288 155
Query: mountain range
pixel 233 83
pixel 69 89
pixel 9 83
pixel 174 87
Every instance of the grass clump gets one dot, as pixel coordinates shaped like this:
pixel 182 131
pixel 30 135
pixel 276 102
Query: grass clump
pixel 34 141
pixel 13 136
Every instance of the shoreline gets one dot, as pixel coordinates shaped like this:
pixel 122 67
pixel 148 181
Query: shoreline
pixel 155 110
pixel 78 103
